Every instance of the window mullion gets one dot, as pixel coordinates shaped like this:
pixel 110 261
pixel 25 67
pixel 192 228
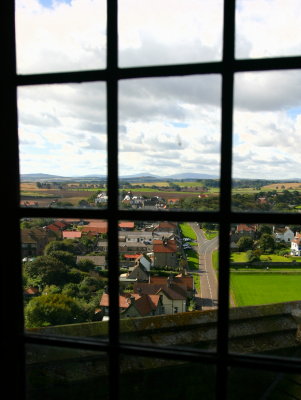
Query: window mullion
pixel 112 180
pixel 225 197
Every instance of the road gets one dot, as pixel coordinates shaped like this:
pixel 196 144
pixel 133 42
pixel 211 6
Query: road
pixel 208 298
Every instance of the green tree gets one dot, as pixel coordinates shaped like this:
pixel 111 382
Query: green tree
pixel 245 243
pixel 65 257
pixel 267 243
pixel 53 309
pixel 86 265
pixel 46 270
pixel 62 245
pixel 265 229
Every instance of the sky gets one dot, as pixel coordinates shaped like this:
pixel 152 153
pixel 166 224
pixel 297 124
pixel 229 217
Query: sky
pixel 168 125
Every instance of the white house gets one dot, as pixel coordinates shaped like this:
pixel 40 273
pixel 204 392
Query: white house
pixel 285 234
pixel 101 198
pixel 296 245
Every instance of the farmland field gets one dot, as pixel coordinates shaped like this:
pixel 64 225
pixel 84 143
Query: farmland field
pixel 255 288
pixel 283 186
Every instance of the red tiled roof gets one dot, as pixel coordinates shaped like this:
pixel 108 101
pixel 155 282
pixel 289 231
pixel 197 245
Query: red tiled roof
pixel 166 224
pixel 174 292
pixel 126 224
pixel 71 234
pixel 246 228
pixel 31 290
pixel 159 247
pixel 124 300
pixel 132 255
pixel 146 304
pixel 94 229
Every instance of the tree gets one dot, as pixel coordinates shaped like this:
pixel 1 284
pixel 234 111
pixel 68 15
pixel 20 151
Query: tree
pixel 53 309
pixel 245 243
pixel 86 265
pixel 61 245
pixel 265 229
pixel 46 270
pixel 65 257
pixel 267 243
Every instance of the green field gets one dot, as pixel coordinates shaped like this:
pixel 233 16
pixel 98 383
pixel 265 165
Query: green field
pixel 187 231
pixel 192 259
pixel 215 260
pixel 242 257
pixel 257 288
pixel 210 234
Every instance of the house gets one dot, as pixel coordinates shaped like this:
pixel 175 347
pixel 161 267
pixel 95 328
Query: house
pixel 95 227
pixel 165 253
pixel 134 305
pixel 101 198
pixel 126 226
pixel 99 261
pixel 57 226
pixel 71 234
pixel 244 228
pixel 137 273
pixel 285 234
pixel 296 245
pixel 166 226
pixel 174 294
pixel 34 241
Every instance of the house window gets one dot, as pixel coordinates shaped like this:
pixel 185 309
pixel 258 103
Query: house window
pixel 108 74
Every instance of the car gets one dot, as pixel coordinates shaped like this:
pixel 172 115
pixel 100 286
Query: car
pixel 187 239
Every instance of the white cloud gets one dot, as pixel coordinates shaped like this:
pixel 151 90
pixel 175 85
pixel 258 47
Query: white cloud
pixel 167 125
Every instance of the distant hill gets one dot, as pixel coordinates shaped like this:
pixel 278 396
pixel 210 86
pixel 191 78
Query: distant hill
pixel 39 176
pixel 191 175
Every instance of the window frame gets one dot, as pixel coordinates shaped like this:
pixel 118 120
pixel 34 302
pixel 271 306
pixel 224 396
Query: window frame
pixel 14 339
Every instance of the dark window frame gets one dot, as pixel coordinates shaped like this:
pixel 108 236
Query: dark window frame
pixel 13 338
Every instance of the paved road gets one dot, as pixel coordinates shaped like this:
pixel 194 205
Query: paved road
pixel 208 298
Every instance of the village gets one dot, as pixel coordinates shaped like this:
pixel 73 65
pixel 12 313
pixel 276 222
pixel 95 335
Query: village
pixel 69 258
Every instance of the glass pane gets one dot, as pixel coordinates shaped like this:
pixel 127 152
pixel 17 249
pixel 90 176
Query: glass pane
pixel 63 35
pixel 169 143
pixel 159 378
pixel 265 281
pixel 169 269
pixel 62 136
pixel 266 157
pixel 267 28
pixel 61 373
pixel 65 275
pixel 259 384
pixel 151 34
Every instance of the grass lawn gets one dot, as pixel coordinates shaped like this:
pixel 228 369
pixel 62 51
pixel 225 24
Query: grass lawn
pixel 210 234
pixel 192 259
pixel 197 282
pixel 241 257
pixel 187 231
pixel 256 289
pixel 215 260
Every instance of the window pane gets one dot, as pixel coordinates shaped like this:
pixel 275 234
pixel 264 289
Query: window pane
pixel 169 32
pixel 60 373
pixel 266 142
pixel 265 281
pixel 267 28
pixel 54 36
pixel 169 143
pixel 62 136
pixel 65 274
pixel 259 384
pixel 168 379
pixel 168 278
